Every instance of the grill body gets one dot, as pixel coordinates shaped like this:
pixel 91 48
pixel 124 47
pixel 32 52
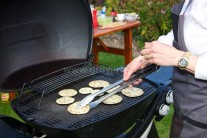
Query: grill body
pixel 37 105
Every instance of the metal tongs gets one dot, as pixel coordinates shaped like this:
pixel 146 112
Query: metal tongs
pixel 137 75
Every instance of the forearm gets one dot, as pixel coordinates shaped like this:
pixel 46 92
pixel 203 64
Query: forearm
pixel 196 65
pixel 191 63
pixel 165 55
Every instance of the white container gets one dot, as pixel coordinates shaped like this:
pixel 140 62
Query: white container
pixel 120 17
pixel 131 18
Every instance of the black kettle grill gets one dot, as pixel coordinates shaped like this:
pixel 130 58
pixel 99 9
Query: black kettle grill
pixel 45 47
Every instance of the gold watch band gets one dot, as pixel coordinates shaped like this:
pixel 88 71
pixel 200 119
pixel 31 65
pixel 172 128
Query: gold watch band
pixel 184 60
pixel 187 55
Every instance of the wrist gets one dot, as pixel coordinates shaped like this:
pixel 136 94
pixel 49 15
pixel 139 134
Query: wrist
pixel 183 61
pixel 177 57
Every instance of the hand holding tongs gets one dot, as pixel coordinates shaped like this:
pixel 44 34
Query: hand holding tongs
pixel 137 75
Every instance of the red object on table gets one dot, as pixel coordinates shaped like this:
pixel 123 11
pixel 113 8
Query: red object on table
pixel 113 13
pixel 95 20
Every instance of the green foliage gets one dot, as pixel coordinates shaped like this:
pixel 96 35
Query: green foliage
pixel 6 109
pixel 155 16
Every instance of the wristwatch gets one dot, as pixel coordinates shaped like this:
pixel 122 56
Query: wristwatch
pixel 184 60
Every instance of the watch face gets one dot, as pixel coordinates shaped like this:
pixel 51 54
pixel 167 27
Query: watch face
pixel 183 62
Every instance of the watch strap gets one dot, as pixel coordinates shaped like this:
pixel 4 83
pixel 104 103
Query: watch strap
pixel 185 55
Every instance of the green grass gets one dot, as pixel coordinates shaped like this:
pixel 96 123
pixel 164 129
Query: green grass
pixel 111 60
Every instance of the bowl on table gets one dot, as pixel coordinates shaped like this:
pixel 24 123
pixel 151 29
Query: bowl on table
pixel 120 17
pixel 131 17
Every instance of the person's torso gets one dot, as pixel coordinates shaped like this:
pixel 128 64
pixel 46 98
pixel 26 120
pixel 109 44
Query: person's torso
pixel 195 22
pixel 190 94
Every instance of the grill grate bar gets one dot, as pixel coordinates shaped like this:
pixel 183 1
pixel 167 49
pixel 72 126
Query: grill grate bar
pixel 65 79
pixel 65 82
pixel 61 74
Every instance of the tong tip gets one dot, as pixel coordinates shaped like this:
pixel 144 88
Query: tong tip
pixel 85 101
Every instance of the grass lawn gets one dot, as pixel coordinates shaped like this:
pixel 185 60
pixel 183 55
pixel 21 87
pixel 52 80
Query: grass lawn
pixel 115 61
pixel 111 60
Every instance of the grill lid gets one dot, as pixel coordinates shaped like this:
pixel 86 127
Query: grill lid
pixel 40 36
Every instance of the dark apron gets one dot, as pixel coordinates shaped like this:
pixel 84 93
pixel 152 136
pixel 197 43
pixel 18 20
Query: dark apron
pixel 190 94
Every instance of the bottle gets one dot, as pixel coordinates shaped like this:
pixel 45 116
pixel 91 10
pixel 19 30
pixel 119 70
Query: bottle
pixel 95 20
pixel 103 12
pixel 113 14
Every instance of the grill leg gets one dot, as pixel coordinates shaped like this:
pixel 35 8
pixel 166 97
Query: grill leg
pixel 153 132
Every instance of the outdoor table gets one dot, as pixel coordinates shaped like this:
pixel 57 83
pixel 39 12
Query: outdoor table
pixel 99 46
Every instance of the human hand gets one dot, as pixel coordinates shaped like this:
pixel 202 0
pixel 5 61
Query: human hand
pixel 133 66
pixel 161 54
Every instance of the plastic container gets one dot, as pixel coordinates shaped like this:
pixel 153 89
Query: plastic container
pixel 95 20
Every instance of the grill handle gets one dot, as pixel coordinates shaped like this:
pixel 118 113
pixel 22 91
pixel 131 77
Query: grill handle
pixel 138 75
